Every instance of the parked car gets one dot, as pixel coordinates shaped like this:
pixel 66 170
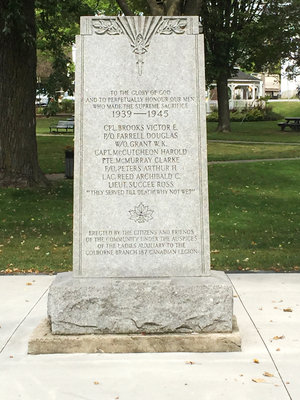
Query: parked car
pixel 66 96
pixel 41 100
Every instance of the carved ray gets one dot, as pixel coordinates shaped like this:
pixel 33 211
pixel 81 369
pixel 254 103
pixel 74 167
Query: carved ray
pixel 151 28
pixel 125 25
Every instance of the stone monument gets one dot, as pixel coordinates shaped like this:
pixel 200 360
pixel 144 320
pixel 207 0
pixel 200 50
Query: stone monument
pixel 141 260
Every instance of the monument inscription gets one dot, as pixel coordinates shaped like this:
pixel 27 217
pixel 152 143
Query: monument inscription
pixel 141 205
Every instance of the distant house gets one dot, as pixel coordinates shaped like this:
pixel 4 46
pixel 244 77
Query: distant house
pixel 244 90
pixel 271 85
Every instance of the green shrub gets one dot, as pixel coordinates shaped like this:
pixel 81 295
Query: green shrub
pixel 212 117
pixel 51 109
pixel 39 110
pixel 236 116
pixel 67 106
pixel 258 113
pixel 254 114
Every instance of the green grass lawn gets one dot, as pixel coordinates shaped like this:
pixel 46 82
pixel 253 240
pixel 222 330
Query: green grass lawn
pixel 43 123
pixel 255 216
pixel 261 131
pixel 51 152
pixel 36 228
pixel 235 151
pixel 286 108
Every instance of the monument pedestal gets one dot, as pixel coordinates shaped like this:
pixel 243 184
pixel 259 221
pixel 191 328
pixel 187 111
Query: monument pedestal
pixel 140 305
pixel 138 315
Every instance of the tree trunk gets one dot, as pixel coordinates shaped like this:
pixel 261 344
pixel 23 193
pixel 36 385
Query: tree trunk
pixel 223 104
pixel 18 149
pixel 192 7
pixel 155 9
pixel 174 7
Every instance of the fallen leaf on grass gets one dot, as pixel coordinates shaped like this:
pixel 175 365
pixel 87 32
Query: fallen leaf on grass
pixel 8 271
pixel 256 361
pixel 258 380
pixel 287 309
pixel 268 374
pixel 215 251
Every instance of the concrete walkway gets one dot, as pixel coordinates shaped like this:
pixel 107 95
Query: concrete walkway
pixel 267 307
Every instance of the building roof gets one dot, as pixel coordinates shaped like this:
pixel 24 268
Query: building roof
pixel 242 76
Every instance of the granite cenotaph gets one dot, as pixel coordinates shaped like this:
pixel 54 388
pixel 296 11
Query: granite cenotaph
pixel 141 258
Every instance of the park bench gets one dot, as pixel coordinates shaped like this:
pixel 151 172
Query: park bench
pixel 291 122
pixel 63 126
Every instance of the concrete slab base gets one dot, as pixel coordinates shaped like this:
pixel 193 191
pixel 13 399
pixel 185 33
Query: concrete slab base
pixel 43 341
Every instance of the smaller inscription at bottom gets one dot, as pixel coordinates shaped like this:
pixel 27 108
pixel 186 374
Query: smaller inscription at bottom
pixel 141 242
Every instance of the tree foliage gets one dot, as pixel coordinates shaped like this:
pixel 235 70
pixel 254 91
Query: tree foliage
pixel 255 34
pixel 251 33
pixel 57 24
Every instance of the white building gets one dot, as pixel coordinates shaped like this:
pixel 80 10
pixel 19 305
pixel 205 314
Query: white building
pixel 288 86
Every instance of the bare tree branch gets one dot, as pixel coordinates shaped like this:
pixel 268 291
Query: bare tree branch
pixel 155 8
pixel 174 7
pixel 124 7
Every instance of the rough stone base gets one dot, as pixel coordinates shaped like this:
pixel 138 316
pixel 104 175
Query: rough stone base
pixel 44 342
pixel 140 305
